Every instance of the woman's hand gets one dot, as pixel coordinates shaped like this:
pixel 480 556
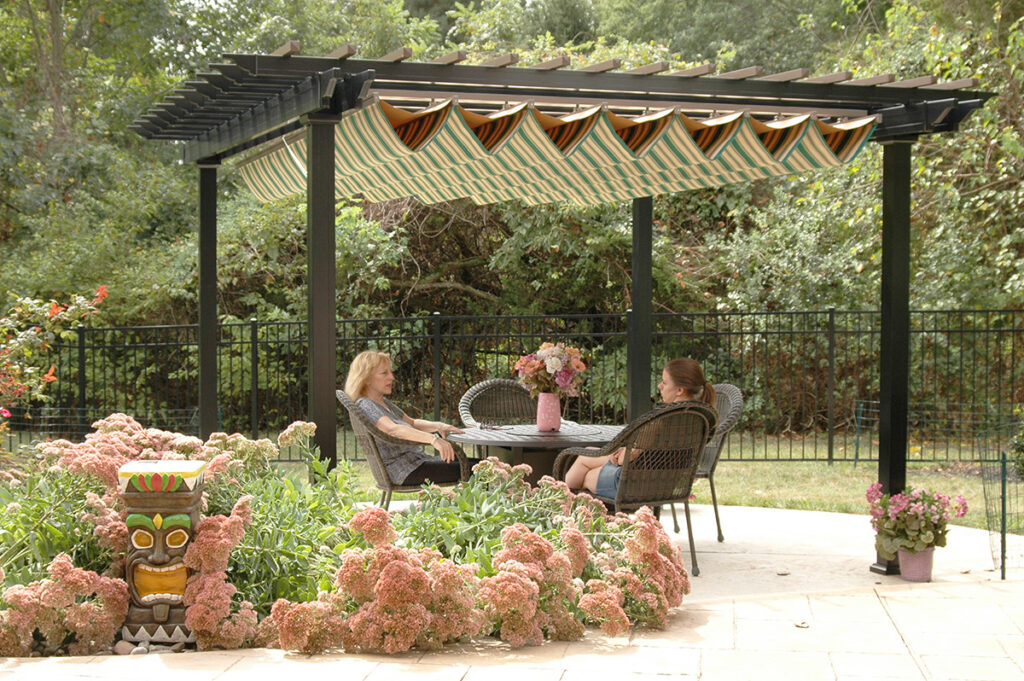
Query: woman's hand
pixel 444 449
pixel 616 456
pixel 443 429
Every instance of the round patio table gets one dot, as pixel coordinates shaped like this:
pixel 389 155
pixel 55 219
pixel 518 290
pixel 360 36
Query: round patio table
pixel 527 444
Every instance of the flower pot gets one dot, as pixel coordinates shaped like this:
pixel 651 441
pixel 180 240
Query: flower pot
pixel 916 567
pixel 549 412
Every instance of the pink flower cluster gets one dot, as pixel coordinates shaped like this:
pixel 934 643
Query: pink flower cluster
pixel 374 524
pixel 389 599
pixel 110 529
pixel 535 591
pixel 297 433
pixel 208 609
pixel 73 605
pixel 602 604
pixel 216 536
pixel 656 563
pixel 911 520
pixel 116 440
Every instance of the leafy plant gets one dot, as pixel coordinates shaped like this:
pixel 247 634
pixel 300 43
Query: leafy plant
pixel 912 520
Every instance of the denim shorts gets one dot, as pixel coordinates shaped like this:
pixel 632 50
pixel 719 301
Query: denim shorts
pixel 608 480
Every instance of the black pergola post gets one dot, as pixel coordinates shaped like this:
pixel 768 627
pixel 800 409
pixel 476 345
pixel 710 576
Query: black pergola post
pixel 895 334
pixel 208 329
pixel 321 282
pixel 639 321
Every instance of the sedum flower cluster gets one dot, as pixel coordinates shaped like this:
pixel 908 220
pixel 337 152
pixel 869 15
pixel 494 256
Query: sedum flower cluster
pixel 912 520
pixel 554 368
pixel 73 611
pixel 208 612
pixel 388 599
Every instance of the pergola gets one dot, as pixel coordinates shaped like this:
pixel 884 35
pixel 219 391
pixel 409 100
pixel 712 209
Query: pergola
pixel 389 127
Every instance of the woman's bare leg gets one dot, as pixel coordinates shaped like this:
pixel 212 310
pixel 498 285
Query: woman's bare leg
pixel 590 482
pixel 580 469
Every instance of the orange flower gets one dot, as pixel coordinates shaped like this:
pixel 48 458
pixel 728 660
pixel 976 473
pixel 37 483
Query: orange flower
pixel 50 377
pixel 101 295
pixel 55 309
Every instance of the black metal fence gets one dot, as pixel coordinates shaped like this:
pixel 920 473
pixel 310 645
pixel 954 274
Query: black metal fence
pixel 1002 475
pixel 810 379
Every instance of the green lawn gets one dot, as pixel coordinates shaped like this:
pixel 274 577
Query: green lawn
pixel 838 488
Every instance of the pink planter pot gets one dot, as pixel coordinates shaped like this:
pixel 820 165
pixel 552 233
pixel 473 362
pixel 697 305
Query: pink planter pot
pixel 549 412
pixel 916 567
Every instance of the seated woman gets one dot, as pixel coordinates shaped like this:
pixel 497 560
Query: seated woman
pixel 369 380
pixel 681 380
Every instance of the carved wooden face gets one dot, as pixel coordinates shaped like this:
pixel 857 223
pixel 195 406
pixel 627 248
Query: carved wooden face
pixel 154 569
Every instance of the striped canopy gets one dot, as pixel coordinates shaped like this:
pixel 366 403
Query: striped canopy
pixel 447 152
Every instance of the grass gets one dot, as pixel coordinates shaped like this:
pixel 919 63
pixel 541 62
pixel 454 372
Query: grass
pixel 839 488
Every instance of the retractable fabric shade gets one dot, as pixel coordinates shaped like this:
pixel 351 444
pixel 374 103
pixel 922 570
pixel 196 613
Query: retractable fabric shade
pixel 447 152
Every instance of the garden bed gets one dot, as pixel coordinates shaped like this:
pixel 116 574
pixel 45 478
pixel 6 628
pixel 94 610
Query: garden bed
pixel 276 562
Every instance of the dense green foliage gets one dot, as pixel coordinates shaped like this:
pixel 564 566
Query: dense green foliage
pixel 84 202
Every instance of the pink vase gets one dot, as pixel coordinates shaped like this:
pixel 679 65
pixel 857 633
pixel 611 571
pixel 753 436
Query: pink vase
pixel 916 567
pixel 549 412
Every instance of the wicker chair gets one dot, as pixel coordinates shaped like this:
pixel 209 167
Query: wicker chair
pixel 367 435
pixel 729 401
pixel 499 401
pixel 670 440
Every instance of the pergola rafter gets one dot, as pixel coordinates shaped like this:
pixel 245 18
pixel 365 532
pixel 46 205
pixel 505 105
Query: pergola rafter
pixel 252 101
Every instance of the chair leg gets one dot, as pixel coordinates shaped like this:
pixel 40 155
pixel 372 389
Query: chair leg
pixel 714 501
pixel 675 520
pixel 689 533
pixel 385 499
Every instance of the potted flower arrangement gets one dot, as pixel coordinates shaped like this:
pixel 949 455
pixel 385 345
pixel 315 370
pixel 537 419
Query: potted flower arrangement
pixel 910 525
pixel 553 372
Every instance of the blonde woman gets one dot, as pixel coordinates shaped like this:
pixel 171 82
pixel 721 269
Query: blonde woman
pixel 369 380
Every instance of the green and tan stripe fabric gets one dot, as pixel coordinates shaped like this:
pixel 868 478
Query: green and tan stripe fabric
pixel 446 152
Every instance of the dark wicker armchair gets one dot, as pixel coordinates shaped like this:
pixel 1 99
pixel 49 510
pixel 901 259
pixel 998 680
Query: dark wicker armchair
pixel 367 435
pixel 729 402
pixel 670 440
pixel 499 401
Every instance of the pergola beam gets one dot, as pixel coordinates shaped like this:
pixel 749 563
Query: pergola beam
pixel 303 98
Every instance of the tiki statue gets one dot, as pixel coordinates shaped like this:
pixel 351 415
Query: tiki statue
pixel 162 500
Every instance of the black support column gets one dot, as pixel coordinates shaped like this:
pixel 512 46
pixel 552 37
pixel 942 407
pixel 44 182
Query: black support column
pixel 894 379
pixel 639 320
pixel 208 329
pixel 321 282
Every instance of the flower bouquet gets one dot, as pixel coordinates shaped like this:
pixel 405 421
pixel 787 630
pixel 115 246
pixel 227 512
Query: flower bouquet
pixel 554 368
pixel 553 372
pixel 913 520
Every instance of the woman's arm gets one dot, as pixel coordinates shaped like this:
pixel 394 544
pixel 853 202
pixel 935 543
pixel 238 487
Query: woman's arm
pixel 616 457
pixel 408 431
pixel 432 426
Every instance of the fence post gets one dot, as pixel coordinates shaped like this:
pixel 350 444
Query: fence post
pixel 831 382
pixel 1002 515
pixel 81 366
pixel 254 384
pixel 437 366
